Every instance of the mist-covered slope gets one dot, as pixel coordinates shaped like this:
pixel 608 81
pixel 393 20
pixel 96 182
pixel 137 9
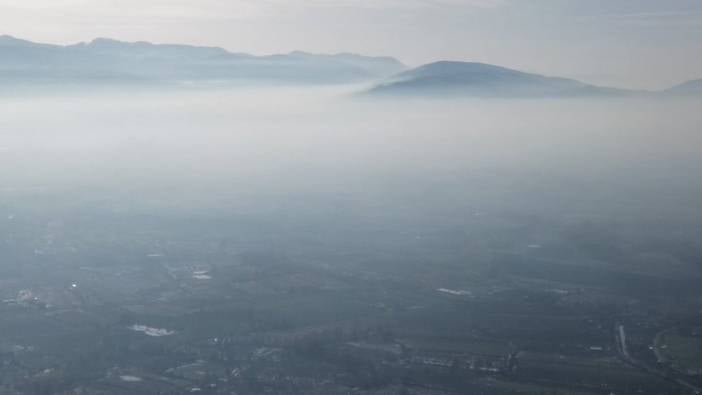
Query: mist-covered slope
pixel 689 88
pixel 106 60
pixel 484 80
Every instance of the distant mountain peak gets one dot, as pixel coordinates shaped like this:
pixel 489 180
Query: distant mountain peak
pixel 105 41
pixel 456 78
pixel 459 65
pixel 446 67
pixel 692 87
pixel 7 39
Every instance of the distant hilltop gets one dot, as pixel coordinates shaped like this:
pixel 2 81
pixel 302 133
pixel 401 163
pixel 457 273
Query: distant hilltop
pixel 451 79
pixel 107 60
pixel 484 80
pixel 693 87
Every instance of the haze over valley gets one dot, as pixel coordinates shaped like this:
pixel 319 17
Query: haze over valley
pixel 148 226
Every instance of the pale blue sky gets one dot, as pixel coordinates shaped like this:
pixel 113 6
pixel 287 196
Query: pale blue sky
pixel 630 43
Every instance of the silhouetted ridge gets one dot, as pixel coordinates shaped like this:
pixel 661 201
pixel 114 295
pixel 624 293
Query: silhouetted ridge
pixel 479 79
pixel 114 61
pixel 693 87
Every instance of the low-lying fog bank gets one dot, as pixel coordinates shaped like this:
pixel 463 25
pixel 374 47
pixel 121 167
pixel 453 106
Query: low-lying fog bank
pixel 119 193
pixel 295 153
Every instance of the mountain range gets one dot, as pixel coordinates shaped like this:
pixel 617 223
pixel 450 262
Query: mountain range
pixel 107 61
pixel 112 61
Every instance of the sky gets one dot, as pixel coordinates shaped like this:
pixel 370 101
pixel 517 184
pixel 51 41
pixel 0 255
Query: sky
pixel 625 43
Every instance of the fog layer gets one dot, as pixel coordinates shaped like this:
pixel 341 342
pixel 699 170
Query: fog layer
pixel 306 164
